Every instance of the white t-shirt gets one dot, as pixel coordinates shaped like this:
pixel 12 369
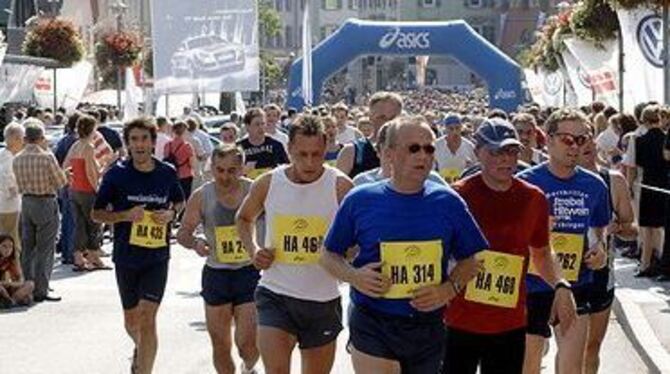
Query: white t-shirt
pixel 161 140
pixel 607 141
pixel 629 157
pixel 450 165
pixel 349 134
pixel 10 200
pixel 280 137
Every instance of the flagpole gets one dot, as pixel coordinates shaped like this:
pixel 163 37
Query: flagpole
pixel 666 55
pixel 621 70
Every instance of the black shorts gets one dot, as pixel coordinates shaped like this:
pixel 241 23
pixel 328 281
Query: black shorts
pixel 226 286
pixel 147 283
pixel 313 323
pixel 500 353
pixel 417 344
pixel 538 306
pixel 600 296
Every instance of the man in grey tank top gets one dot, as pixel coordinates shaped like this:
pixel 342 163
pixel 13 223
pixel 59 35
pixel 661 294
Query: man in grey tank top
pixel 228 277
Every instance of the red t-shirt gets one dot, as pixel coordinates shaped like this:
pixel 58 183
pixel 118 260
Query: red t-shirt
pixel 512 221
pixel 183 153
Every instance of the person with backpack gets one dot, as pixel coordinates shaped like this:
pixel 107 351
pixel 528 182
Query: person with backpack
pixel 179 153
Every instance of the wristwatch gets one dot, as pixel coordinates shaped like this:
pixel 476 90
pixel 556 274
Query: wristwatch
pixel 562 284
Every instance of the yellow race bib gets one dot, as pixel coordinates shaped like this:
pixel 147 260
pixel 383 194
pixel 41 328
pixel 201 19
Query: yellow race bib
pixel 148 234
pixel 332 163
pixel 450 175
pixel 411 265
pixel 569 249
pixel 255 173
pixel 498 284
pixel 229 248
pixel 297 239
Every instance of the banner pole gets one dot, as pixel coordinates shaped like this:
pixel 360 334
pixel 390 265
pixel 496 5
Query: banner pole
pixel 621 71
pixel 666 60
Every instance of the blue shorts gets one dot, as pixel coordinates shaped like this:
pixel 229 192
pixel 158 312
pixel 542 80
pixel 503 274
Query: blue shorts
pixel 226 286
pixel 417 344
pixel 147 283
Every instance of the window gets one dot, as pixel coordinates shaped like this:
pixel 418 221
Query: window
pixel 353 4
pixel 489 33
pixel 332 4
pixel 279 5
pixel 475 3
pixel 428 3
pixel 287 5
pixel 288 33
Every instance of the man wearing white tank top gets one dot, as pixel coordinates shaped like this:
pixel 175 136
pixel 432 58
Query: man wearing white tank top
pixel 297 301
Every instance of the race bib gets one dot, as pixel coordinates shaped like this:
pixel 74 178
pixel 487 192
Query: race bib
pixel 229 248
pixel 411 265
pixel 332 163
pixel 148 234
pixel 450 175
pixel 498 283
pixel 255 173
pixel 297 239
pixel 569 249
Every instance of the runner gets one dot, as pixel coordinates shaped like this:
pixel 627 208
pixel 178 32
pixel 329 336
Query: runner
pixel 407 228
pixel 144 196
pixel 273 114
pixel 384 171
pixel 228 278
pixel 360 155
pixel 297 300
pixel 453 153
pixel 487 324
pixel 345 132
pixel 621 225
pixel 261 152
pixel 578 206
pixel 333 146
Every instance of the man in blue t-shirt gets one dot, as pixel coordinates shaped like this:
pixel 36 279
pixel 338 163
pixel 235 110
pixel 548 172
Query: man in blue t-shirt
pixel 579 209
pixel 407 230
pixel 140 197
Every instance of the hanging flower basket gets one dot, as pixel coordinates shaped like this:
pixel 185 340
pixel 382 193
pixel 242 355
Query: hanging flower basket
pixel 55 38
pixel 118 49
pixel 595 21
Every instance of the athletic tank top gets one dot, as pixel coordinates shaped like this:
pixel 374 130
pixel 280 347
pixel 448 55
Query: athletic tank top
pixel 297 218
pixel 365 157
pixel 80 182
pixel 226 249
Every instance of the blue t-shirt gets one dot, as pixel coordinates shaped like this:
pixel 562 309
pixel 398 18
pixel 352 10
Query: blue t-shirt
pixel 375 213
pixel 576 204
pixel 111 137
pixel 124 187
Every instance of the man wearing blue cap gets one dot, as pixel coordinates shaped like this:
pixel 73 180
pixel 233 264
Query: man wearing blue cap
pixel 453 153
pixel 486 325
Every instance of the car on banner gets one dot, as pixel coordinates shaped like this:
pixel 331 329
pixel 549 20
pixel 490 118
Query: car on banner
pixel 207 55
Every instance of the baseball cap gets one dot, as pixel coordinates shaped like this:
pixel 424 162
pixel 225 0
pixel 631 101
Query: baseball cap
pixel 450 120
pixel 496 133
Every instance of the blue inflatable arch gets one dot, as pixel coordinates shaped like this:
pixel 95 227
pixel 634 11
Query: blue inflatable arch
pixel 455 38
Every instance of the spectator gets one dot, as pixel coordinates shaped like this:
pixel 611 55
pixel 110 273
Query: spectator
pixel 39 177
pixel 607 142
pixel 180 154
pixel 14 290
pixel 162 137
pixel 10 200
pixel 272 115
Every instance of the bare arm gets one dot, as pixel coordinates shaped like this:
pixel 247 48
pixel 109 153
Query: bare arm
pixel 345 160
pixel 251 208
pixel 624 226
pixel 92 167
pixel 190 220
pixel 547 267
pixel 344 184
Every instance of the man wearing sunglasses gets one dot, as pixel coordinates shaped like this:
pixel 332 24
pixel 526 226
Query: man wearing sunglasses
pixel 407 229
pixel 486 326
pixel 579 210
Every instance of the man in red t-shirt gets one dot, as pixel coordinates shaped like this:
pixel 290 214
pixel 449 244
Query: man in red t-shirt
pixel 486 324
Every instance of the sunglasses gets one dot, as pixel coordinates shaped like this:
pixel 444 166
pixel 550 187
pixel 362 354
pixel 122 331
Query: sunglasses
pixel 415 148
pixel 570 139
pixel 507 151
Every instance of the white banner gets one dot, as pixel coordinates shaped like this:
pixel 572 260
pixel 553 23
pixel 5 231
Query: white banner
pixel 582 88
pixel 643 60
pixel 534 86
pixel 134 96
pixel 71 84
pixel 17 82
pixel 553 87
pixel 205 46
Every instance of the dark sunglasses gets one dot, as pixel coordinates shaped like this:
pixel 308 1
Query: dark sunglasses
pixel 415 148
pixel 507 151
pixel 570 139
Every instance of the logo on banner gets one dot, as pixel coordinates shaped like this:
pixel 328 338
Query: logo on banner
pixel 504 95
pixel 553 83
pixel 583 76
pixel 650 39
pixel 405 40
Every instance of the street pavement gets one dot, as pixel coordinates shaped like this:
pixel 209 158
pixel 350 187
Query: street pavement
pixel 84 332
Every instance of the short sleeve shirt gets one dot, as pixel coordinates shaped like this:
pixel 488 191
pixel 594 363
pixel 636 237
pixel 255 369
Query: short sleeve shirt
pixel 124 187
pixel 375 213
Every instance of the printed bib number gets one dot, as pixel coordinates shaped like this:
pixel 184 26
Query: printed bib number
pixel 298 239
pixel 229 248
pixel 411 265
pixel 569 249
pixel 498 283
pixel 255 173
pixel 450 175
pixel 148 234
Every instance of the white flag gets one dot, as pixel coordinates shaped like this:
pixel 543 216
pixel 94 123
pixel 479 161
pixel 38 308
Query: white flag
pixel 240 107
pixel 582 88
pixel 133 96
pixel 534 86
pixel 553 87
pixel 643 60
pixel 307 57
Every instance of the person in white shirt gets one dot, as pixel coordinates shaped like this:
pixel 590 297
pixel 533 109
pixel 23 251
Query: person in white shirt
pixel 163 136
pixel 607 142
pixel 453 153
pixel 10 200
pixel 345 132
pixel 272 115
